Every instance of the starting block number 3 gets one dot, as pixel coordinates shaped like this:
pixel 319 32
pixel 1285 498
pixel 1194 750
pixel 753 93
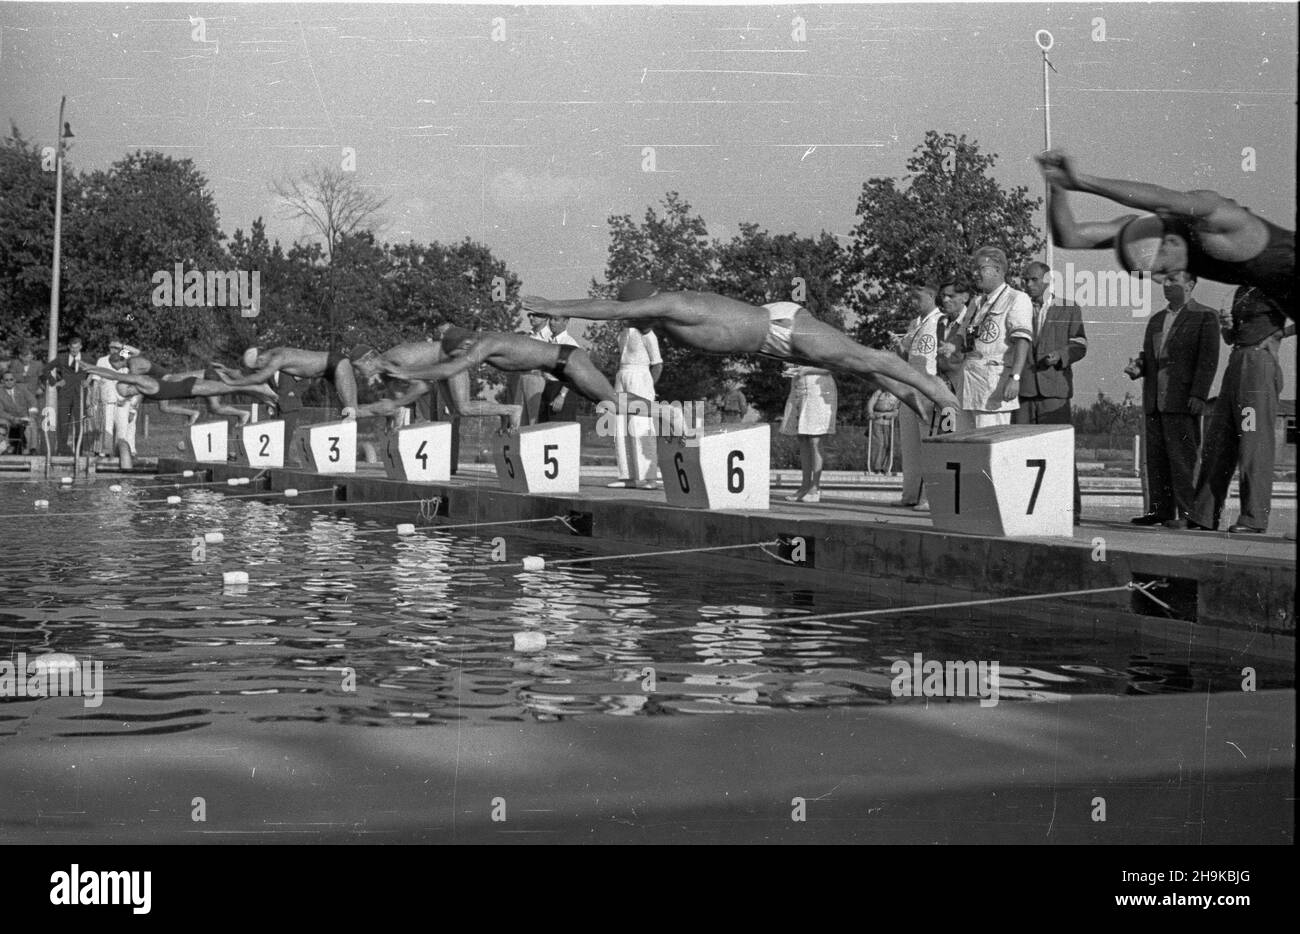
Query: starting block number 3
pixel 332 447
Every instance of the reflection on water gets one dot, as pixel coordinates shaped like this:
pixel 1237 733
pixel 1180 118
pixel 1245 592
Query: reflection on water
pixel 340 624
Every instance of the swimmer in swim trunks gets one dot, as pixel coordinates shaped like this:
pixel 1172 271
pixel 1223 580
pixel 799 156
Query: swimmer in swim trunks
pixel 1198 232
pixel 189 387
pixel 782 330
pixel 261 365
pixel 373 367
pixel 140 365
pixel 459 350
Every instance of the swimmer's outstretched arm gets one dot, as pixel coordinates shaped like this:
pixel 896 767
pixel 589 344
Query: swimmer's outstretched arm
pixel 273 364
pixel 1070 234
pixel 600 309
pixel 393 404
pixel 465 407
pixel 1060 170
pixel 130 379
pixel 345 384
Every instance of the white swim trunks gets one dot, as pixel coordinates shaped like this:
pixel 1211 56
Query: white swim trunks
pixel 780 321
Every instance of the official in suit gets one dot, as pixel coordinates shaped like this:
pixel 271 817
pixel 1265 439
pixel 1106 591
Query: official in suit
pixel 1241 426
pixel 17 407
pixel 1057 344
pixel 1180 353
pixel 67 374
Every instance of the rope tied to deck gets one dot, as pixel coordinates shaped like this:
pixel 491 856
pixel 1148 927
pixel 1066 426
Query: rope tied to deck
pixel 537 563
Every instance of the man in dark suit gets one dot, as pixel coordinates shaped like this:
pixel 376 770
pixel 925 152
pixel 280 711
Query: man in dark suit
pixel 17 407
pixel 67 374
pixel 1058 342
pixel 1179 356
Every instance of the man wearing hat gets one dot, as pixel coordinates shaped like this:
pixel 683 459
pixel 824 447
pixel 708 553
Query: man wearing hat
pixel 114 417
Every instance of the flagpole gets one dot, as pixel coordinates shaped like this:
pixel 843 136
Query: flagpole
pixel 1045 42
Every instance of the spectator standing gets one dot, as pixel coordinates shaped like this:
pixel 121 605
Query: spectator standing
pixel 1180 353
pixel 882 408
pixel 639 366
pixel 920 348
pixel 810 414
pixel 952 302
pixel 734 405
pixel 994 345
pixel 17 407
pixel 557 403
pixel 1241 425
pixel 27 372
pixel 1057 343
pixel 115 414
pixel 67 374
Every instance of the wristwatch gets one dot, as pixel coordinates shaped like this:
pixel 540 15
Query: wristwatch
pixel 1016 377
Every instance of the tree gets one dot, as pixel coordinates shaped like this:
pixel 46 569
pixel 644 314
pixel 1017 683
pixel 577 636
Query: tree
pixel 333 202
pixel 925 228
pixel 26 240
pixel 144 215
pixel 672 250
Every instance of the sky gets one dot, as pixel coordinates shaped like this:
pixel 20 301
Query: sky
pixel 527 127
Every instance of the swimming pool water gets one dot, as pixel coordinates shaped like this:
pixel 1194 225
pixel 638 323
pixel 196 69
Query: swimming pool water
pixel 428 635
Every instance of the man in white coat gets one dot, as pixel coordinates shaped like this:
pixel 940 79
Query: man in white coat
pixel 114 413
pixel 920 347
pixel 639 366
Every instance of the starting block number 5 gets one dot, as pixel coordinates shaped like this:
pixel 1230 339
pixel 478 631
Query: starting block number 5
pixel 540 458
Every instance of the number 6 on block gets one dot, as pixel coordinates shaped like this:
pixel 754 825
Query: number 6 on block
pixel 264 444
pixel 1010 480
pixel 206 442
pixel 332 447
pixel 719 469
pixel 419 453
pixel 540 458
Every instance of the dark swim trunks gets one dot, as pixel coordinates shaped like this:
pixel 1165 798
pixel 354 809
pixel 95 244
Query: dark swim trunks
pixel 1272 270
pixel 332 362
pixel 566 351
pixel 172 389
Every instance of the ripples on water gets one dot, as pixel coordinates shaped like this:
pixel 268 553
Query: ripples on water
pixel 430 640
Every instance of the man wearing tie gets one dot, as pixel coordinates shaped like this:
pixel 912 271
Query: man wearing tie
pixel 67 372
pixel 1058 342
pixel 1180 354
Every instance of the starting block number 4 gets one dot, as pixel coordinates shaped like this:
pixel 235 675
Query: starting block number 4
pixel 332 447
pixel 540 458
pixel 264 444
pixel 207 442
pixel 419 453
pixel 1013 480
pixel 720 469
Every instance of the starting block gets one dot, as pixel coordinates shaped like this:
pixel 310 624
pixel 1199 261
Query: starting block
pixel 332 447
pixel 540 458
pixel 1005 481
pixel 419 453
pixel 206 442
pixel 722 468
pixel 264 444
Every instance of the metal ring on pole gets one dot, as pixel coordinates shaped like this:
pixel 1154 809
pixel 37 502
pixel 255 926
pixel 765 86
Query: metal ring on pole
pixel 1038 37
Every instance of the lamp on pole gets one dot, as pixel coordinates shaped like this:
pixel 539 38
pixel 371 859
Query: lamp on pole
pixel 1045 42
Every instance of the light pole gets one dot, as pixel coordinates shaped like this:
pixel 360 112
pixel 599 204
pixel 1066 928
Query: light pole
pixel 1045 42
pixel 51 392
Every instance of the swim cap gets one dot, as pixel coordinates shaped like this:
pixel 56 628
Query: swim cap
pixel 360 352
pixel 635 289
pixel 1139 241
pixel 250 358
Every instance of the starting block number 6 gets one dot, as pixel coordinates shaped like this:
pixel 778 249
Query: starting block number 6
pixel 727 469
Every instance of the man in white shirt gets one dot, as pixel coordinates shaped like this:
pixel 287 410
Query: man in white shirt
pixel 639 366
pixel 114 417
pixel 558 404
pixel 994 345
pixel 920 347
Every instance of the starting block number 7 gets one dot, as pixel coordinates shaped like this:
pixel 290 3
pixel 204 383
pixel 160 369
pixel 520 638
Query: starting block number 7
pixel 1038 462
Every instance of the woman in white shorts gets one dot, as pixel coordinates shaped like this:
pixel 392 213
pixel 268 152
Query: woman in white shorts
pixel 810 414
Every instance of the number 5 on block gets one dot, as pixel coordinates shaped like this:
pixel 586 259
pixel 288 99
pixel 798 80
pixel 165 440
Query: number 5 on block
pixel 540 458
pixel 419 453
pixel 332 447
pixel 1011 480
pixel 264 444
